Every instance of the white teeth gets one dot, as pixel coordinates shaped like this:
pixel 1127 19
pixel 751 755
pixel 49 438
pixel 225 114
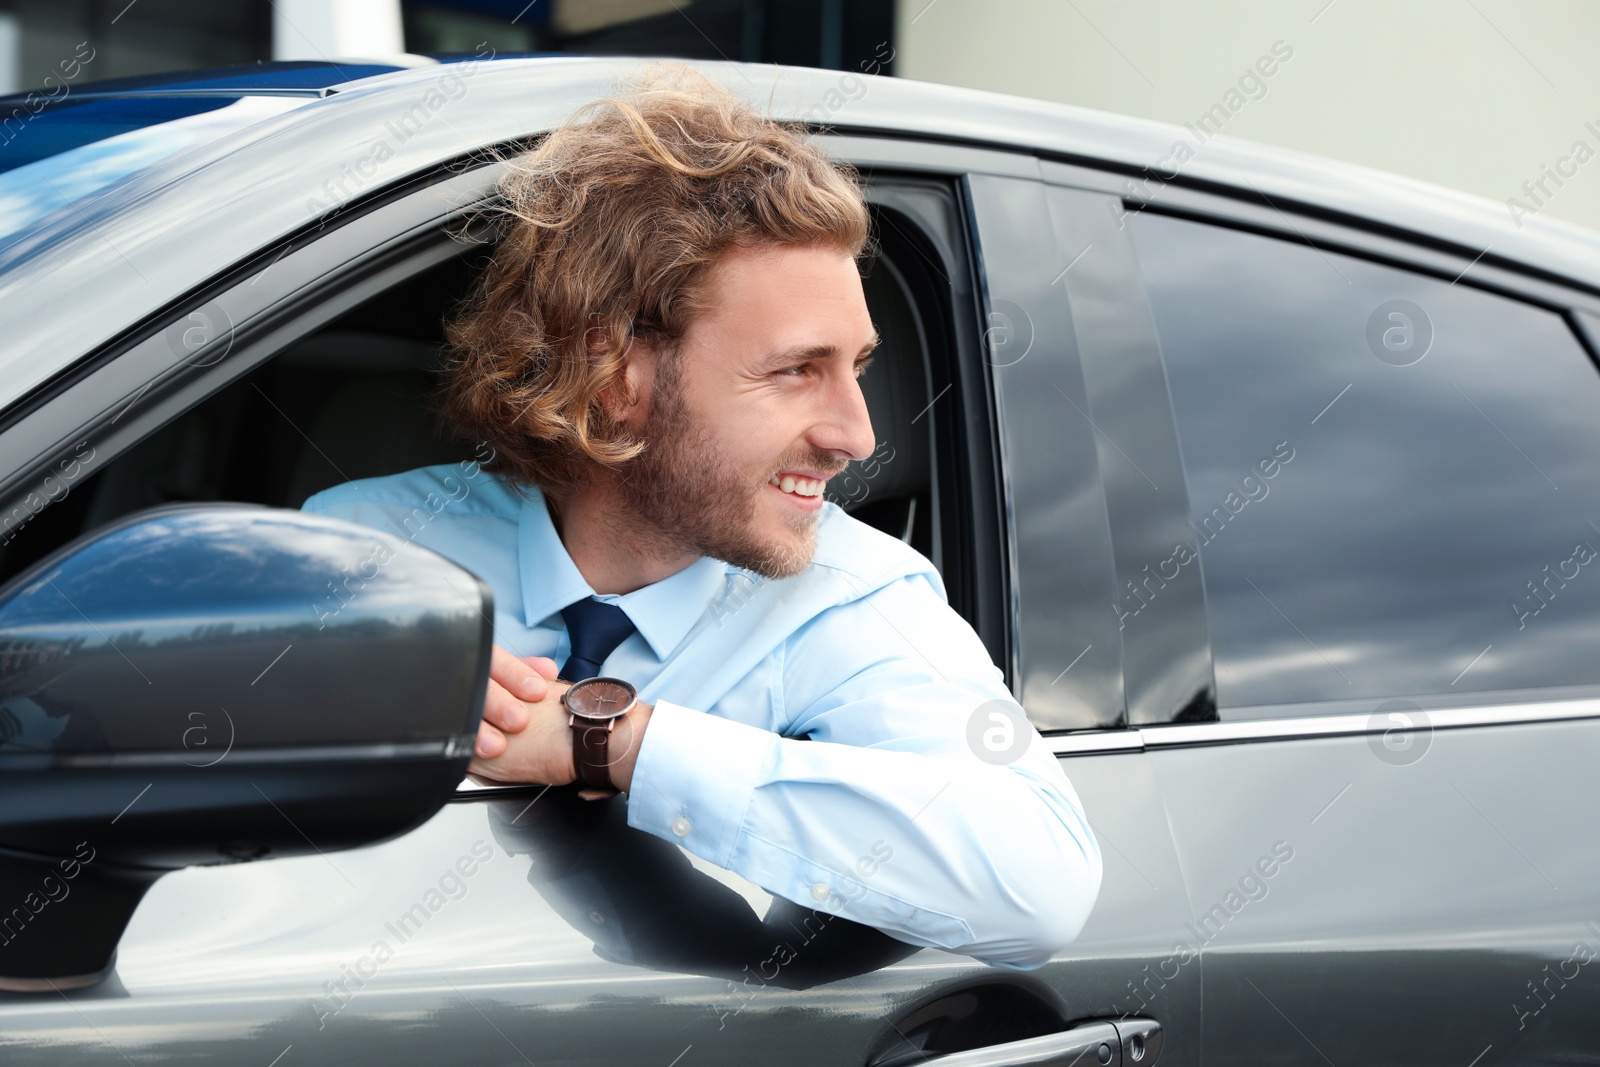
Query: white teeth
pixel 798 486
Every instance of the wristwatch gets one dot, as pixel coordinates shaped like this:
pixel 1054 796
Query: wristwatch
pixel 596 705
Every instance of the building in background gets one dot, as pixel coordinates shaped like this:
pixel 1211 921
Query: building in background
pixel 153 36
pixel 1496 97
pixel 37 35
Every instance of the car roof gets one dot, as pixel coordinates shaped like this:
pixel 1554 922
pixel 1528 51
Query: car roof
pixel 249 198
pixel 279 76
pixel 1133 145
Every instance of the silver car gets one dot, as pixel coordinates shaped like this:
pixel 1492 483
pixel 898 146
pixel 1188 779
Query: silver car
pixel 1271 483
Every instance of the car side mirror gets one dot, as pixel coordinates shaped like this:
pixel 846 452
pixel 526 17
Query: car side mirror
pixel 217 683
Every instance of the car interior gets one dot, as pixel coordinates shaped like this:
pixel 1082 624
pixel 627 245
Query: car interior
pixel 356 399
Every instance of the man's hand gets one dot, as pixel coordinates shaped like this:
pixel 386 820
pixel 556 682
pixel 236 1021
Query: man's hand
pixel 528 737
pixel 524 704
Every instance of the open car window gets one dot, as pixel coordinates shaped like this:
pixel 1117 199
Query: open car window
pixel 355 398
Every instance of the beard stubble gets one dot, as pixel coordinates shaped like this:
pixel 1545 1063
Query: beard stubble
pixel 684 494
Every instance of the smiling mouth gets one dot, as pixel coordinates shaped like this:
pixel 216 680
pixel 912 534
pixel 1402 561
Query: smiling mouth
pixel 798 486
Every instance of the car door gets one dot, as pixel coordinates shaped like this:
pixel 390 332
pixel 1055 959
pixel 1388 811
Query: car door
pixel 1386 495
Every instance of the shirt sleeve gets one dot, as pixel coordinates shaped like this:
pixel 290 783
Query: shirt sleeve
pixel 923 803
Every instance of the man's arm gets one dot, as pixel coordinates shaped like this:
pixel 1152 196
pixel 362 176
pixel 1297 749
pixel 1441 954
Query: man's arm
pixel 887 815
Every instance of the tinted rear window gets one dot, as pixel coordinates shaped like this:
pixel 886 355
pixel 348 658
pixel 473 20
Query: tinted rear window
pixel 1392 478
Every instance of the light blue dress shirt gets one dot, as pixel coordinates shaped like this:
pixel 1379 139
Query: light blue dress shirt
pixel 885 815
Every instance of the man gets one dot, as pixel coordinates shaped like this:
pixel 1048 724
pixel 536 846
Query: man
pixel 663 357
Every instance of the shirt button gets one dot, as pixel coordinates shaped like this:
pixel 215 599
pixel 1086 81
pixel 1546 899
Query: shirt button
pixel 681 827
pixel 819 891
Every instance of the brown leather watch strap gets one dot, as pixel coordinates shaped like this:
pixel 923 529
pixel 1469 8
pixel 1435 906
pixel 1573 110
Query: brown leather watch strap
pixel 591 748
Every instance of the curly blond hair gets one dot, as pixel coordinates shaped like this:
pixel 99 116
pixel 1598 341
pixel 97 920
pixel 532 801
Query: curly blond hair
pixel 611 226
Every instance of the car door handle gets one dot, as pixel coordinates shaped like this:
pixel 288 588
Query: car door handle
pixel 1132 1042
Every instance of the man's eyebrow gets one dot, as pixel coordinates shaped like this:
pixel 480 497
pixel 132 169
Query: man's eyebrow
pixel 798 354
pixel 789 357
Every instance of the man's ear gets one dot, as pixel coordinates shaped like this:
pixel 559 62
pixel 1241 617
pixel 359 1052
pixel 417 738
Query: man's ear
pixel 629 401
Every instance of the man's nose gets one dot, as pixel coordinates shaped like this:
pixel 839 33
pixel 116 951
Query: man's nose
pixel 847 426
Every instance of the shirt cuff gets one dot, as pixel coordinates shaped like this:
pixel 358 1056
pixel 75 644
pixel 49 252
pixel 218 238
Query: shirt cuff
pixel 695 779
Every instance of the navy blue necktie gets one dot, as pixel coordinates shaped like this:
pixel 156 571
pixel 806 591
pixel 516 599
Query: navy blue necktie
pixel 595 629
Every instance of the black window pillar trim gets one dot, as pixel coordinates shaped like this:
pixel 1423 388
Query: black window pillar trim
pixel 973 562
pixel 993 546
pixel 1160 606
pixel 1585 326
pixel 1068 650
pixel 979 384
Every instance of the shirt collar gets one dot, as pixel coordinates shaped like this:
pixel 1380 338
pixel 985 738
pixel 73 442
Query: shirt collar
pixel 663 612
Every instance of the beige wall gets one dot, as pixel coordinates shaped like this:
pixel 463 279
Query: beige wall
pixel 323 29
pixel 1482 95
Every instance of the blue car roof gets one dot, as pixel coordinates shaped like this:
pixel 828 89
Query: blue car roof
pixel 311 76
pixel 308 77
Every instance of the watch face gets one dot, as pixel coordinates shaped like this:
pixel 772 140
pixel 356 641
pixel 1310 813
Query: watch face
pixel 600 698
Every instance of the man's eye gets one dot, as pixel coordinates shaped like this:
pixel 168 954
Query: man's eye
pixel 801 367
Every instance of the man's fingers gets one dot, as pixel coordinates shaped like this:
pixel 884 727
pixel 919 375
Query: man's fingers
pixel 544 665
pixel 503 710
pixel 520 678
pixel 491 742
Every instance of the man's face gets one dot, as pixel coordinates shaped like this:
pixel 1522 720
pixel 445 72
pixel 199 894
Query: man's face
pixel 764 386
